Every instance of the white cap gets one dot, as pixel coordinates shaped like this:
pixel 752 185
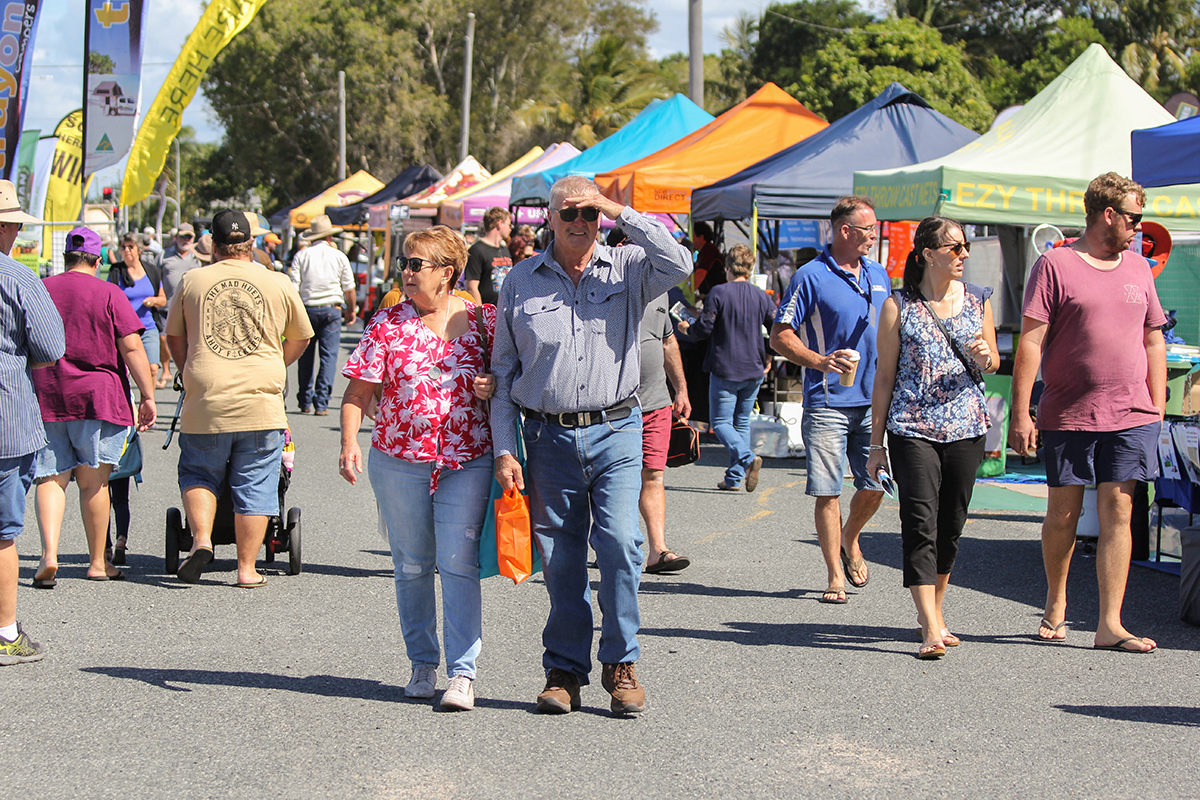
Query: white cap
pixel 148 229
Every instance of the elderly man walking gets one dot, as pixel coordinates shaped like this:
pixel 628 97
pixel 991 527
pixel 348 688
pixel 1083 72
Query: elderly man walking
pixel 1091 323
pixel 233 329
pixel 31 338
pixel 827 323
pixel 323 276
pixel 567 358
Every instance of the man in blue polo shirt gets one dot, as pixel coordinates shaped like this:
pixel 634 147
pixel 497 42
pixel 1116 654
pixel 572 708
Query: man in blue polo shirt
pixel 827 323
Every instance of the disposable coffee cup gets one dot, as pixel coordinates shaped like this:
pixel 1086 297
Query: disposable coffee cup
pixel 847 378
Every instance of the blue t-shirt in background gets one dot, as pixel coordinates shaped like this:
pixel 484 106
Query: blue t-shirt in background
pixel 830 311
pixel 138 294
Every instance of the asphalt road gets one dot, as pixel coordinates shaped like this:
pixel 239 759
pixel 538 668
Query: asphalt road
pixel 153 688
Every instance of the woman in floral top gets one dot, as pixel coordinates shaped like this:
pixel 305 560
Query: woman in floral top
pixel 431 454
pixel 934 410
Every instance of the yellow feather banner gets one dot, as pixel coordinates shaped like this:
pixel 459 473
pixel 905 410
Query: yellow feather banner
pixel 63 197
pixel 222 20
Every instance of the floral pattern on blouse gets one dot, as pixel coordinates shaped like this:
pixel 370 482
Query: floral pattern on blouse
pixel 429 411
pixel 934 398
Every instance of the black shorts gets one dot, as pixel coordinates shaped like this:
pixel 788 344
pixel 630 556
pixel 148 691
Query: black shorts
pixel 1081 458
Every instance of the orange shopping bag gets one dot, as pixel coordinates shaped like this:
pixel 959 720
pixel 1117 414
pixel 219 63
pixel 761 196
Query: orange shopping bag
pixel 514 545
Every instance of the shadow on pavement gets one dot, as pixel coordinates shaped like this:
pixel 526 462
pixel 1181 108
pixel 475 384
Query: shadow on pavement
pixel 844 637
pixel 1161 715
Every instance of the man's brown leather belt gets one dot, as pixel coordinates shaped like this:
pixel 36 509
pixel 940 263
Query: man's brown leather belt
pixel 582 419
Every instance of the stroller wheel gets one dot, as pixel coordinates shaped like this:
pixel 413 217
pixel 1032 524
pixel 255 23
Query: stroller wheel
pixel 293 529
pixel 174 533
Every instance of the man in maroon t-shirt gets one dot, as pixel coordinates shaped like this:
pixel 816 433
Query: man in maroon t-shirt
pixel 1092 323
pixel 84 398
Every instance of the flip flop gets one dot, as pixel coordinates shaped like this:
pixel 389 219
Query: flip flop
pixel 948 638
pixel 1119 649
pixel 46 583
pixel 120 576
pixel 262 581
pixel 858 566
pixel 664 564
pixel 1054 628
pixel 932 652
pixel 839 597
pixel 193 566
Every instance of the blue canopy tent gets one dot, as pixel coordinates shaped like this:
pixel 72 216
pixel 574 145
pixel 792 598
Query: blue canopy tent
pixel 1167 155
pixel 656 126
pixel 408 182
pixel 804 181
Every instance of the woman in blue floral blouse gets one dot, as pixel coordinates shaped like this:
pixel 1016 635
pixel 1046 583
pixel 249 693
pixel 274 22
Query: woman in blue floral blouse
pixel 936 338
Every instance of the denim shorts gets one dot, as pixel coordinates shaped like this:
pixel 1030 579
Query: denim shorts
pixel 831 435
pixel 16 476
pixel 151 343
pixel 247 461
pixel 80 443
pixel 1081 458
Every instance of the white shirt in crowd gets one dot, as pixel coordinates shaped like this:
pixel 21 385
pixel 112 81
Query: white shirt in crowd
pixel 322 274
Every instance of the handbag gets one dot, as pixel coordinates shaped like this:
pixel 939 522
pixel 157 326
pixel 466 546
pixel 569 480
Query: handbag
pixel 130 465
pixel 514 540
pixel 684 445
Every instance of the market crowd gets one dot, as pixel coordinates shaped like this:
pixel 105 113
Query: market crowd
pixel 552 366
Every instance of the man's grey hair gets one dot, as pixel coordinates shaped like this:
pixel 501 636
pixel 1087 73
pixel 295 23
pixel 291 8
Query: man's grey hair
pixel 571 186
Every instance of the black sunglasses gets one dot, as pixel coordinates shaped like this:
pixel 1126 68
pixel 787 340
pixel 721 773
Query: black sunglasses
pixel 1134 219
pixel 413 264
pixel 572 214
pixel 957 247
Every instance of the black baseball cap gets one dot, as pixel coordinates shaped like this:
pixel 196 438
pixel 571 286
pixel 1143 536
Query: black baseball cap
pixel 231 227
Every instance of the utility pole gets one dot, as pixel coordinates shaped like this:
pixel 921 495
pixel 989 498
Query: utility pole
pixel 341 126
pixel 178 187
pixel 696 52
pixel 464 140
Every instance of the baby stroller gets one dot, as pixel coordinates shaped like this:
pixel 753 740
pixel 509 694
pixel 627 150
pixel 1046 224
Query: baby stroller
pixel 282 536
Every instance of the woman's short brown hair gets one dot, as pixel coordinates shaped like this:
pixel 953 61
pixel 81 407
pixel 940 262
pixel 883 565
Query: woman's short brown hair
pixel 132 238
pixel 740 261
pixel 443 245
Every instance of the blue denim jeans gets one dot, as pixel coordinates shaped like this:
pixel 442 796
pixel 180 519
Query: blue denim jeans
pixel 327 337
pixel 729 407
pixel 439 530
pixel 583 486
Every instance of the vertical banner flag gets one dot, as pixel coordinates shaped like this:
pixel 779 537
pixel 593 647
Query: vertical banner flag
pixel 19 26
pixel 63 198
pixel 113 55
pixel 26 156
pixel 222 20
pixel 43 160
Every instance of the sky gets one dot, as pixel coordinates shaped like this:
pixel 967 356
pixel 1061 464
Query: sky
pixel 55 87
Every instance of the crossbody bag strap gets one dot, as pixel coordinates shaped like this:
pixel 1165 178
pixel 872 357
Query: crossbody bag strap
pixel 971 367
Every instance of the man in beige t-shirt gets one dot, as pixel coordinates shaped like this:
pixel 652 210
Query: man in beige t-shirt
pixel 233 329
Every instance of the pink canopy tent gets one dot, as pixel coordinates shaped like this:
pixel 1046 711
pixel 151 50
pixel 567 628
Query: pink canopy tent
pixel 468 208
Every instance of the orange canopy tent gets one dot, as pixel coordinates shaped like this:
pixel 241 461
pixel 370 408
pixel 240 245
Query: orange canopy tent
pixel 762 124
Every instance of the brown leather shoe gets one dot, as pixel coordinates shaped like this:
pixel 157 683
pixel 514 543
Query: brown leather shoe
pixel 561 694
pixel 620 680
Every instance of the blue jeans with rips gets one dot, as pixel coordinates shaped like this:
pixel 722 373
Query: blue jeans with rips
pixel 439 530
pixel 583 487
pixel 729 407
pixel 327 337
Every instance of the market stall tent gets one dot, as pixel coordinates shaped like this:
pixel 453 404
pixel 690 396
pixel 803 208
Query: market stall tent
pixel 467 173
pixel 351 190
pixel 804 181
pixel 413 179
pixel 762 124
pixel 1167 155
pixel 468 207
pixel 656 126
pixel 1034 167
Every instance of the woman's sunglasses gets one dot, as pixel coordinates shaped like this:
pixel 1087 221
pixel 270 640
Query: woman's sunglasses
pixel 572 214
pixel 414 264
pixel 957 247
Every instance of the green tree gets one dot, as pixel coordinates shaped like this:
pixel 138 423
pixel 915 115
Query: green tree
pixel 852 70
pixel 791 35
pixel 1008 85
pixel 1153 39
pixel 99 64
pixel 609 87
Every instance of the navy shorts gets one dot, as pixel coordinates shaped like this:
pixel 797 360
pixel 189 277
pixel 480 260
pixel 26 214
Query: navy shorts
pixel 1082 458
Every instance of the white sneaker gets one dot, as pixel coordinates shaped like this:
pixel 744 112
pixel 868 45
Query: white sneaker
pixel 423 683
pixel 460 696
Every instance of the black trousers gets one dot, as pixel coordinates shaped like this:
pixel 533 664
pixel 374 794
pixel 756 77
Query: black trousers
pixel 935 481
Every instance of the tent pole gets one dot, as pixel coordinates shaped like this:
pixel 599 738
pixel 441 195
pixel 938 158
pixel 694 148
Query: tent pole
pixel 754 227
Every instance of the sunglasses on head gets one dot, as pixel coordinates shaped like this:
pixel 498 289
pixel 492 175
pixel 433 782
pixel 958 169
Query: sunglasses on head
pixel 572 214
pixel 957 247
pixel 414 264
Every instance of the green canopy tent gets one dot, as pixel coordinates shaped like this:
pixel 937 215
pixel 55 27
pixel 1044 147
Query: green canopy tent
pixel 1034 167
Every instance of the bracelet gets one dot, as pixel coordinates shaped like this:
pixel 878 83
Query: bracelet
pixel 876 447
pixel 989 364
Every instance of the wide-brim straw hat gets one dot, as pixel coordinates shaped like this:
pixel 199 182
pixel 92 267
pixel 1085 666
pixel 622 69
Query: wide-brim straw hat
pixel 204 249
pixel 10 207
pixel 320 228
